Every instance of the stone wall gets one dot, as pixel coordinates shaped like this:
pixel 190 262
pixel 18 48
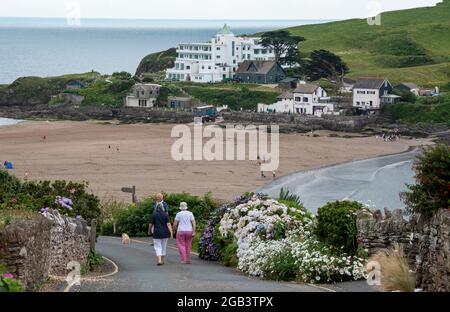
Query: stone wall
pixel 426 243
pixel 25 249
pixel 69 241
pixel 35 248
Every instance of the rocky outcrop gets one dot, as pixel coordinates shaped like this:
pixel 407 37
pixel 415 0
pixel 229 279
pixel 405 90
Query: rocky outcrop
pixel 156 62
pixel 32 249
pixel 426 243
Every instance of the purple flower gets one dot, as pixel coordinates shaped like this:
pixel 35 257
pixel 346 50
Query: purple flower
pixel 8 275
pixel 64 202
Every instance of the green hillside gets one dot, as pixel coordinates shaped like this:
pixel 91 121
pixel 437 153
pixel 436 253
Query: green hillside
pixel 409 45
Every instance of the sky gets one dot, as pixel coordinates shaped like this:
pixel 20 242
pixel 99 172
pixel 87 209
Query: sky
pixel 206 9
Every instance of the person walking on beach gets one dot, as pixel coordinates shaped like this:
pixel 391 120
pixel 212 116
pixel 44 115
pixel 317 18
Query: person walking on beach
pixel 161 229
pixel 185 226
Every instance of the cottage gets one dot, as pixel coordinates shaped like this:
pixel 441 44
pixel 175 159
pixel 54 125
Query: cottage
pixel 143 95
pixel 306 99
pixel 312 99
pixel 180 102
pixel 409 87
pixel 288 83
pixel 370 94
pixel 262 72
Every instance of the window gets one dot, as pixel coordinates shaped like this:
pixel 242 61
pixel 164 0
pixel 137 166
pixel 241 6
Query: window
pixel 305 99
pixel 188 67
pixel 298 99
pixel 209 67
pixel 218 48
pixel 142 103
pixel 358 103
pixel 234 61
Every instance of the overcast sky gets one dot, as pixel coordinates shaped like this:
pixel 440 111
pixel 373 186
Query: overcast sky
pixel 206 9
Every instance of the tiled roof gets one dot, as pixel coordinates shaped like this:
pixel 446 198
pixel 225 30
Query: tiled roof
pixel 306 88
pixel 262 67
pixel 286 95
pixel 369 83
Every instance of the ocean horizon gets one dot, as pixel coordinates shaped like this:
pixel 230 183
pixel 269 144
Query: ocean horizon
pixel 54 46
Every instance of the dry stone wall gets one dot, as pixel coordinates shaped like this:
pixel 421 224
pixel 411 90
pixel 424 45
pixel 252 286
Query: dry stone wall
pixel 36 248
pixel 426 242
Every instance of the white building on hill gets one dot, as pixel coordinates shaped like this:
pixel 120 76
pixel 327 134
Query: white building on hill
pixel 143 95
pixel 306 99
pixel 370 94
pixel 217 59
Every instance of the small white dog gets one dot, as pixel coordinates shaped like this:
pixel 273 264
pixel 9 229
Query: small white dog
pixel 125 239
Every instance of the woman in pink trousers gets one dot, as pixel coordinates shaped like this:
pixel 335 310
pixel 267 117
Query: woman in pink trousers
pixel 185 226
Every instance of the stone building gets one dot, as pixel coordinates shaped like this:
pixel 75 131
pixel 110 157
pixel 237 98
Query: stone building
pixel 143 95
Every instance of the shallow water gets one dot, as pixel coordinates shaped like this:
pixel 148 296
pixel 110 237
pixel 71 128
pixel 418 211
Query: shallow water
pixel 376 182
pixel 8 121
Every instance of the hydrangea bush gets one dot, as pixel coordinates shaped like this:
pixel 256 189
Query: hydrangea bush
pixel 277 241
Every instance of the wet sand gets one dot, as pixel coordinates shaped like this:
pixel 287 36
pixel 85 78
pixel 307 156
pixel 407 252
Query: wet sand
pixel 140 155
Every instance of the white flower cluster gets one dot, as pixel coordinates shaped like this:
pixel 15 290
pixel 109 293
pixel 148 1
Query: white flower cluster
pixel 259 250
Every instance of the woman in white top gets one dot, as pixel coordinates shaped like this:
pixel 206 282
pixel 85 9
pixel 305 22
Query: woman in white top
pixel 185 226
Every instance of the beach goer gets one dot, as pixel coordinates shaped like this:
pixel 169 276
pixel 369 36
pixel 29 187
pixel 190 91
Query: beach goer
pixel 161 229
pixel 263 175
pixel 274 174
pixel 185 227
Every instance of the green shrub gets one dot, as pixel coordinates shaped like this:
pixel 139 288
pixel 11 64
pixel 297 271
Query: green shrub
pixel 235 99
pixel 427 110
pixel 282 266
pixel 134 220
pixel 94 261
pixel 336 225
pixel 35 195
pixel 431 191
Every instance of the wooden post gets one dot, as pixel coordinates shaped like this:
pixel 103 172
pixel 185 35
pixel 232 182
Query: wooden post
pixel 93 237
pixel 134 199
pixel 132 191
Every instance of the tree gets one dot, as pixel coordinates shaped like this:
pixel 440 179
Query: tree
pixel 325 64
pixel 432 188
pixel 284 45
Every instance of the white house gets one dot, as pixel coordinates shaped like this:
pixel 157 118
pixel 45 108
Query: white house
pixel 306 99
pixel 371 94
pixel 217 59
pixel 311 99
pixel 143 95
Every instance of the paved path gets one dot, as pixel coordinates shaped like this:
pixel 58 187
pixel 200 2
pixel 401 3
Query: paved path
pixel 138 272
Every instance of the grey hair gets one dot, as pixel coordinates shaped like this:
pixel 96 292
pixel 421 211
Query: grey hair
pixel 160 207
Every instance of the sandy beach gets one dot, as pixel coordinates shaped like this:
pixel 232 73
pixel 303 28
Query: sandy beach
pixel 140 155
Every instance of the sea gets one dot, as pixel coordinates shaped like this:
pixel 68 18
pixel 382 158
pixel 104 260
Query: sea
pixel 55 46
pixel 375 182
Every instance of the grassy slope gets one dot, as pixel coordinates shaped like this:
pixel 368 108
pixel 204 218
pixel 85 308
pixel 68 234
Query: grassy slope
pixel 368 49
